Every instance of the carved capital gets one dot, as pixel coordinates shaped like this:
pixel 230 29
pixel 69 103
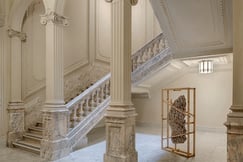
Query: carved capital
pixel 13 33
pixel 133 2
pixel 54 18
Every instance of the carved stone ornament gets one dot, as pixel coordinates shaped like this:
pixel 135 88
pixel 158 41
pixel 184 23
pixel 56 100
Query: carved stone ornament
pixel 53 17
pixel 13 33
pixel 133 2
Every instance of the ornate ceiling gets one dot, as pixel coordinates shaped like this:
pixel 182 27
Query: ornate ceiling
pixel 196 27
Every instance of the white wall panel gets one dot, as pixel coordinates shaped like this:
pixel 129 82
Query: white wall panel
pixel 33 51
pixel 76 35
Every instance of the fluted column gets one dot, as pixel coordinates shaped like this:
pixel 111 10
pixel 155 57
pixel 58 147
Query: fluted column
pixel 16 106
pixel 55 115
pixel 120 116
pixel 234 122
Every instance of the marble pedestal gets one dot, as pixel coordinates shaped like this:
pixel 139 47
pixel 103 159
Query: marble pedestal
pixel 55 145
pixel 15 122
pixel 120 135
pixel 234 126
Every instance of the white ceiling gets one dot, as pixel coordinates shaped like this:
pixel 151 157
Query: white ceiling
pixel 196 27
pixel 178 67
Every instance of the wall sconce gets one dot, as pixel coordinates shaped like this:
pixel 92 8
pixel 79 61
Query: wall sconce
pixel 205 66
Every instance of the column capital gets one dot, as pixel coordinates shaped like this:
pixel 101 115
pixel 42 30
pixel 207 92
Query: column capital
pixel 53 17
pixel 133 2
pixel 13 33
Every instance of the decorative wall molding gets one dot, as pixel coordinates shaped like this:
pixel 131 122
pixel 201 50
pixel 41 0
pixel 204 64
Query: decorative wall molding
pixel 2 20
pixel 215 28
pixel 76 66
pixel 51 16
pixel 13 33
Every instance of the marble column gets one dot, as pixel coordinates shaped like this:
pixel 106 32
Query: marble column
pixel 120 116
pixel 16 105
pixel 55 115
pixel 234 122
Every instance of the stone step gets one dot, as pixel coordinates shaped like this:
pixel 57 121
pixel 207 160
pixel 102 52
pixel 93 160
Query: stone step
pixel 37 129
pixel 39 124
pixel 28 146
pixel 32 137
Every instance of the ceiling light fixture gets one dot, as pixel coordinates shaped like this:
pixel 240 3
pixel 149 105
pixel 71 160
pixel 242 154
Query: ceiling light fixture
pixel 205 66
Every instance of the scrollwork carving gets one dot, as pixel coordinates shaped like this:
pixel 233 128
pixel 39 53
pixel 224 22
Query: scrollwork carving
pixel 53 17
pixel 13 33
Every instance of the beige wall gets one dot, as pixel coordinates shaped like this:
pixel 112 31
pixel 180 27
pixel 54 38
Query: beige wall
pixel 213 98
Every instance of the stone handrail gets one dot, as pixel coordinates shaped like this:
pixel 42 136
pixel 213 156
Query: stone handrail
pixel 86 102
pixel 150 50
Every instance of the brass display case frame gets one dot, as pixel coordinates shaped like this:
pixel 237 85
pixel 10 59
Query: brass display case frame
pixel 187 149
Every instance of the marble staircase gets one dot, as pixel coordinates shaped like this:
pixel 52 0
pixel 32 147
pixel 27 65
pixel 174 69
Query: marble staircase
pixel 89 107
pixel 31 140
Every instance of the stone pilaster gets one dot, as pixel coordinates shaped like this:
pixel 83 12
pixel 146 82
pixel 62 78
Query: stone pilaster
pixel 234 122
pixel 16 106
pixel 120 116
pixel 55 115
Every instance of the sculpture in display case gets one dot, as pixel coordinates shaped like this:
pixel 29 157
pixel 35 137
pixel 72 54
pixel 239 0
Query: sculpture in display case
pixel 178 121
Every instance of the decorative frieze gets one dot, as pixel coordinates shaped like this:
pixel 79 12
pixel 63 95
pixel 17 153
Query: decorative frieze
pixel 13 33
pixel 53 17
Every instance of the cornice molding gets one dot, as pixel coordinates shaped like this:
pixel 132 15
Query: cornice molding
pixel 53 17
pixel 13 33
pixel 133 2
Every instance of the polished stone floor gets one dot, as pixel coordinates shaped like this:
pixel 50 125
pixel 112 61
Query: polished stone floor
pixel 210 147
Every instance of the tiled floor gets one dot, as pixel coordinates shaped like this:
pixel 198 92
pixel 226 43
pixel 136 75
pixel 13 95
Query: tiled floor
pixel 210 147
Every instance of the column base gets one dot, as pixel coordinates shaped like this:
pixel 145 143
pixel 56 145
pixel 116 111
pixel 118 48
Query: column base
pixel 15 122
pixel 128 158
pixel 234 126
pixel 120 135
pixel 55 145
pixel 54 150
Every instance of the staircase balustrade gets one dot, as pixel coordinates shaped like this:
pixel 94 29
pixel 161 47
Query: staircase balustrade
pixel 88 108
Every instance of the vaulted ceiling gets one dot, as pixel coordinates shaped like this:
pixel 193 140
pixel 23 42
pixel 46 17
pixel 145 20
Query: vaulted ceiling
pixel 196 27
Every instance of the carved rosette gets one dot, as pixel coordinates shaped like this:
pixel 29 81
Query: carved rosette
pixel 54 18
pixel 13 33
pixel 133 2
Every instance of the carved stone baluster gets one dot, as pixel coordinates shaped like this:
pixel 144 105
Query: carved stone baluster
pixel 157 49
pixel 80 111
pixel 140 59
pixel 134 63
pixel 104 91
pixel 150 52
pixel 101 93
pixel 72 117
pixel 161 44
pixel 145 55
pixel 90 100
pixel 86 107
pixel 108 88
pixel 94 100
